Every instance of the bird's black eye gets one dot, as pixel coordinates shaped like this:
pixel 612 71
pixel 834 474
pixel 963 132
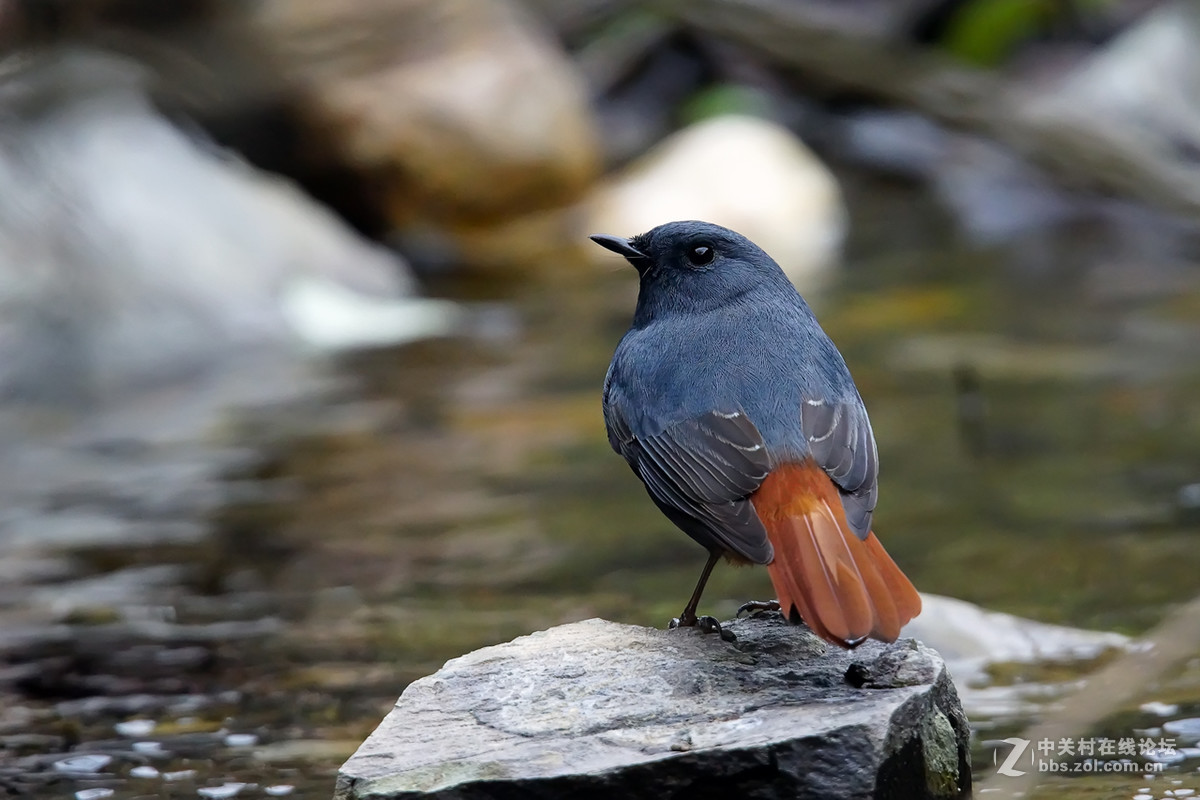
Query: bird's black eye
pixel 701 254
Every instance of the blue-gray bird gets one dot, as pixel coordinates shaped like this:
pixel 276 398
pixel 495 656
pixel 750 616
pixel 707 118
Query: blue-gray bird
pixel 740 417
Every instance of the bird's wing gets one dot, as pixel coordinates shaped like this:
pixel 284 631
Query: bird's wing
pixel 701 472
pixel 841 442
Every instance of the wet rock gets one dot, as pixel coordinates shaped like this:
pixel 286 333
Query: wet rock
pixel 454 108
pixel 596 709
pixel 971 639
pixel 1141 88
pixel 137 257
pixel 742 172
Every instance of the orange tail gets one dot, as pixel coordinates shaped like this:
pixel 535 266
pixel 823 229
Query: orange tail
pixel 845 588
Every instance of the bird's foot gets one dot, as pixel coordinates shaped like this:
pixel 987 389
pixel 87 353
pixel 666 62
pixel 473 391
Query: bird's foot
pixel 759 605
pixel 705 624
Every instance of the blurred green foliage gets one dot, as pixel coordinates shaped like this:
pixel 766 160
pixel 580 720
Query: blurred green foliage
pixel 987 32
pixel 725 98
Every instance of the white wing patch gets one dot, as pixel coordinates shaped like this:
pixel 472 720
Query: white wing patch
pixel 837 417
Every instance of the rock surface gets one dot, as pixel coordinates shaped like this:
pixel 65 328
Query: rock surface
pixel 1142 88
pixel 596 709
pixel 136 256
pixel 453 108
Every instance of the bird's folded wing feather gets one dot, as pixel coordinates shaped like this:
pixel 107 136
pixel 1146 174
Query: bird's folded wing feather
pixel 841 442
pixel 705 468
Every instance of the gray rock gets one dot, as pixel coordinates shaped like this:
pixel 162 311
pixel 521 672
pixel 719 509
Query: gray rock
pixel 1144 84
pixel 136 257
pixel 458 110
pixel 599 710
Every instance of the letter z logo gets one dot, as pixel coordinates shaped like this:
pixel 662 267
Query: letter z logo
pixel 1019 746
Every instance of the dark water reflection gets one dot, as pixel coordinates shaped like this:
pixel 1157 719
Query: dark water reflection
pixel 1038 429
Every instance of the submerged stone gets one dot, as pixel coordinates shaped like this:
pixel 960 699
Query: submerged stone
pixel 596 710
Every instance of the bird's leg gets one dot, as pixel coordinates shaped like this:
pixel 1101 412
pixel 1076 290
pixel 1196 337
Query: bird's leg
pixel 759 605
pixel 688 618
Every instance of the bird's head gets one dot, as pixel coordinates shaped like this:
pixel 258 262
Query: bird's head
pixel 695 266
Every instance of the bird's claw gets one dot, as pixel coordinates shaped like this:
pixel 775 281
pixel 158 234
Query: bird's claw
pixel 705 625
pixel 758 605
pixel 712 625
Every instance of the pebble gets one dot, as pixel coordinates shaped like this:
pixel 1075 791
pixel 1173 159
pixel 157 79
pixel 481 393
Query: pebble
pixel 136 727
pixel 279 790
pixel 1186 728
pixel 92 762
pixel 222 792
pixel 149 748
pixel 1160 755
pixel 144 772
pixel 1159 709
pixel 241 740
pixel 93 794
pixel 181 775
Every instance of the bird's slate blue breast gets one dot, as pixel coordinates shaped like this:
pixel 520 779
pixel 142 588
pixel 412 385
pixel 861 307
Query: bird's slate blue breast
pixel 764 358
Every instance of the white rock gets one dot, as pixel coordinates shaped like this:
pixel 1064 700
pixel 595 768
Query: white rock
pixel 89 762
pixel 1159 709
pixel 97 793
pixel 1187 728
pixel 971 638
pixel 134 255
pixel 331 317
pixel 1143 83
pixel 179 775
pixel 136 728
pixel 744 173
pixel 241 740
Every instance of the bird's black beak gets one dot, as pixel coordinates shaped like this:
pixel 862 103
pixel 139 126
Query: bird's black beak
pixel 622 247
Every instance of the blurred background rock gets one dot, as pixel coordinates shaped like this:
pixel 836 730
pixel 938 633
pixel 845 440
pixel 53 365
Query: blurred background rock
pixel 301 341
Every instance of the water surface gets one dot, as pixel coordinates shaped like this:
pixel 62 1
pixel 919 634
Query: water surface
pixel 1034 404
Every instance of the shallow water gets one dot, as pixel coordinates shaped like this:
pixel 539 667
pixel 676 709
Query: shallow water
pixel 1035 410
